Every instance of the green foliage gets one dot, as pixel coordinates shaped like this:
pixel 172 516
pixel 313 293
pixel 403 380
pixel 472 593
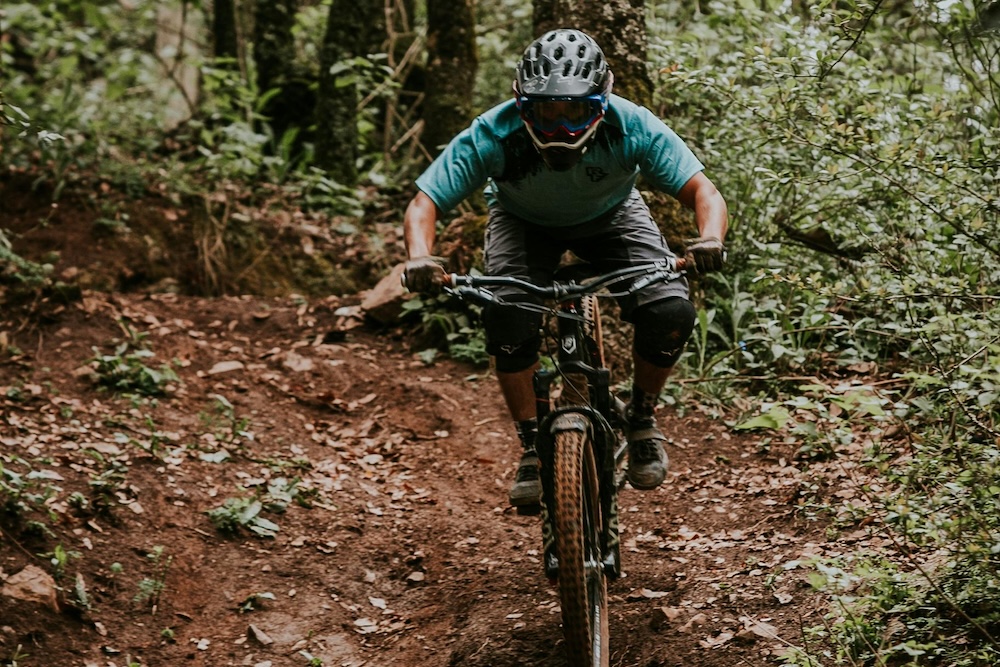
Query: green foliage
pixel 18 270
pixel 242 512
pixel 85 74
pixel 151 587
pixel 228 429
pixel 860 176
pixel 59 559
pixel 254 601
pixel 104 484
pixel 245 512
pixel 24 493
pixel 444 323
pixel 126 371
pixel 13 658
pixel 103 90
pixel 503 31
pixel 885 615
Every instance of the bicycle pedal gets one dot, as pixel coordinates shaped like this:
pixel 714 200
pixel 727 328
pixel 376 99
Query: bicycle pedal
pixel 529 510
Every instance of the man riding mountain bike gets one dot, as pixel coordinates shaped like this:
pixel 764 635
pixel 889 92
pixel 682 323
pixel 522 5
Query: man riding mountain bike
pixel 560 162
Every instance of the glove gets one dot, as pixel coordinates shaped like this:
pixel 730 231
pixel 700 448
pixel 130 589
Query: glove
pixel 704 255
pixel 424 274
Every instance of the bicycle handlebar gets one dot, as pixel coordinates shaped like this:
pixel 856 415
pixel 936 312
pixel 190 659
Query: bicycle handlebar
pixel 646 274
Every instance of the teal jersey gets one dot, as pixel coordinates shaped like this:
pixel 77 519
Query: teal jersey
pixel 496 151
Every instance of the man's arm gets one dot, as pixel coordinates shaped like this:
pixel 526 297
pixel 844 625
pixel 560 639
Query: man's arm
pixel 422 273
pixel 710 210
pixel 707 252
pixel 419 226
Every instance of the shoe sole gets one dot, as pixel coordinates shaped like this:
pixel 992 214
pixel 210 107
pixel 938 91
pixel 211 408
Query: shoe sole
pixel 521 501
pixel 645 487
pixel 639 487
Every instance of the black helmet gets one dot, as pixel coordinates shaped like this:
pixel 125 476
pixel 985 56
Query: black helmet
pixel 563 85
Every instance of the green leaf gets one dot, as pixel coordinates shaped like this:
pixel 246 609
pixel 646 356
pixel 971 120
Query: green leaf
pixel 773 419
pixel 250 512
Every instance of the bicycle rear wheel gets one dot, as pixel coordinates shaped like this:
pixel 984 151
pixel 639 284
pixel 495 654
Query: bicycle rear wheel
pixel 582 585
pixel 593 331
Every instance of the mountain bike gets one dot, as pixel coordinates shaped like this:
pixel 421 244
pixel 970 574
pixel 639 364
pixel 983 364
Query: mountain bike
pixel 581 441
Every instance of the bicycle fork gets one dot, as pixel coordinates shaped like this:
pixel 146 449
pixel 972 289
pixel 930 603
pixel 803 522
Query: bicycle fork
pixel 591 422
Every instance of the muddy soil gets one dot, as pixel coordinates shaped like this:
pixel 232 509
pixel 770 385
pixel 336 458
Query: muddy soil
pixel 383 537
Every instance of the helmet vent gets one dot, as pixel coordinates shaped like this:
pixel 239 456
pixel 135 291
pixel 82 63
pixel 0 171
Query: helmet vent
pixel 563 63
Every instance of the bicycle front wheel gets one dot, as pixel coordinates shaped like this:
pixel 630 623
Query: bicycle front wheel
pixel 582 585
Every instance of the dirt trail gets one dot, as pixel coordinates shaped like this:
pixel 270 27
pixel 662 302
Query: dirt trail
pixel 398 548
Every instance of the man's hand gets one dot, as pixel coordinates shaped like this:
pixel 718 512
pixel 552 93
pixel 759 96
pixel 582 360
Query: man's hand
pixel 424 274
pixel 705 255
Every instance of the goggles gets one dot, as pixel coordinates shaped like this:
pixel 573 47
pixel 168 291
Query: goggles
pixel 562 117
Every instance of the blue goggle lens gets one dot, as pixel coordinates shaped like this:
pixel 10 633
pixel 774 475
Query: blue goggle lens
pixel 570 115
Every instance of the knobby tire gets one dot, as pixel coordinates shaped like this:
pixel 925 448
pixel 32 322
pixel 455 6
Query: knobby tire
pixel 582 584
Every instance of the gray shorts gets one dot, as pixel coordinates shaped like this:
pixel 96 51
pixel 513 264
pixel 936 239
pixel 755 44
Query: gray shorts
pixel 626 236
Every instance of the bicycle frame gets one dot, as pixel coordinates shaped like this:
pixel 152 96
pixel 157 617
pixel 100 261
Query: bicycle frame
pixel 580 446
pixel 599 413
pixel 595 417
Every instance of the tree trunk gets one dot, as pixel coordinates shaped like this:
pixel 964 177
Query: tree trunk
pixel 618 26
pixel 452 62
pixel 224 32
pixel 274 56
pixel 274 46
pixel 352 29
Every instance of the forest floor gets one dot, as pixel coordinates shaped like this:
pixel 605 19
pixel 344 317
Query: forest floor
pixel 366 495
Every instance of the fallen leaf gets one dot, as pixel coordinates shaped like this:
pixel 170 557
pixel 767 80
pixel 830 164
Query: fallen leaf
pixel 298 363
pixel 225 367
pixel 720 639
pixel 761 629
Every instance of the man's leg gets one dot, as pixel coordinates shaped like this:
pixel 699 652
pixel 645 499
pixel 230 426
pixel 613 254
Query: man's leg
pixel 661 329
pixel 512 338
pixel 515 248
pixel 647 377
pixel 663 319
pixel 519 392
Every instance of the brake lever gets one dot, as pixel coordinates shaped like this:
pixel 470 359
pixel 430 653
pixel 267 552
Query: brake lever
pixel 477 295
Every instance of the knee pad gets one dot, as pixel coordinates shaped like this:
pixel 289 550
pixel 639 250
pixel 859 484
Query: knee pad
pixel 661 329
pixel 512 337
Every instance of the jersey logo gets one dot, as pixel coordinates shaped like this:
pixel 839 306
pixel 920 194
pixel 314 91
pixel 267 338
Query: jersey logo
pixel 596 174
